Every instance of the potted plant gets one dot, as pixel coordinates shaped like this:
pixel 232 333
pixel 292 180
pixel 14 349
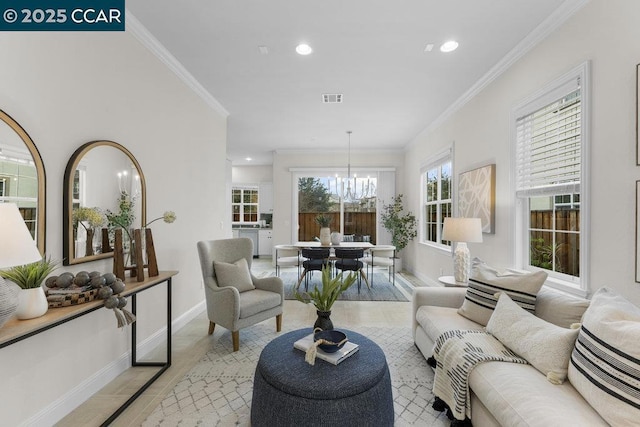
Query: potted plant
pixel 325 232
pixel 323 299
pixel 401 225
pixel 32 301
pixel 89 219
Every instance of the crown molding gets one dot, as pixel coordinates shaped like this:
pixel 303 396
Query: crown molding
pixel 548 26
pixel 143 35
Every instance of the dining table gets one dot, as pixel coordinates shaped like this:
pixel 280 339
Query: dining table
pixel 316 244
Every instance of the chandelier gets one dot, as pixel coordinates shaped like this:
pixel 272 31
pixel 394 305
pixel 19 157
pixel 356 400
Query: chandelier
pixel 347 188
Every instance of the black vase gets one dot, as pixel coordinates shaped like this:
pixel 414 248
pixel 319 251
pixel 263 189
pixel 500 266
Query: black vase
pixel 323 321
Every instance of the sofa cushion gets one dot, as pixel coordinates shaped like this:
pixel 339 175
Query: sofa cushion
pixel 560 309
pixel 485 282
pixel 546 346
pixel 436 320
pixel 519 395
pixel 257 301
pixel 236 275
pixel 605 364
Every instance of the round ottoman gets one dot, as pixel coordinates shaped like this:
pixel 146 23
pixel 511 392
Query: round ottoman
pixel 287 391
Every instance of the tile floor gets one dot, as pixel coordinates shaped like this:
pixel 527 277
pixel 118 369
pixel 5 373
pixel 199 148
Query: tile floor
pixel 191 342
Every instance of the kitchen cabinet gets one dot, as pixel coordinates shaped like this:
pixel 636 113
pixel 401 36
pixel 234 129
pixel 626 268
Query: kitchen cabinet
pixel 265 245
pixel 251 234
pixel 266 197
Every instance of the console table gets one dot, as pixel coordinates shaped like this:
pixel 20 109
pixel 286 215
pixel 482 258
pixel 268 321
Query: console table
pixel 17 330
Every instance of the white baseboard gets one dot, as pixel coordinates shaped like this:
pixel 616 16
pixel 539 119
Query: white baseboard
pixel 62 406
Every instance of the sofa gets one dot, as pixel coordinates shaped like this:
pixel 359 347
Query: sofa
pixel 507 394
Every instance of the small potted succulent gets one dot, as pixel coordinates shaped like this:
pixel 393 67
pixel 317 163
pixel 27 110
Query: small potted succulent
pixel 325 232
pixel 32 301
pixel 323 299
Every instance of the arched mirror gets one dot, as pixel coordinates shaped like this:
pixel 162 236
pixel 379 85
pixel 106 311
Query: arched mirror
pixel 104 189
pixel 22 177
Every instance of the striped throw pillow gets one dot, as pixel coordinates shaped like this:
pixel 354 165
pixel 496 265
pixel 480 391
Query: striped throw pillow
pixel 605 363
pixel 485 282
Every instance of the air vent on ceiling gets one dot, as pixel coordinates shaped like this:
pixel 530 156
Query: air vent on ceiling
pixel 332 98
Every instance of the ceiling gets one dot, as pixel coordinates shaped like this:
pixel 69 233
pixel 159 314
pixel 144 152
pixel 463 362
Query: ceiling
pixel 371 51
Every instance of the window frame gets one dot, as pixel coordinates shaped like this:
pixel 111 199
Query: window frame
pixel 546 95
pixel 436 161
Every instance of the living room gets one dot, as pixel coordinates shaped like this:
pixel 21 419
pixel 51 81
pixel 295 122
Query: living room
pixel 69 88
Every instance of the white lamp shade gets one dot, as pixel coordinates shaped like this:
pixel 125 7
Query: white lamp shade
pixel 462 230
pixel 18 246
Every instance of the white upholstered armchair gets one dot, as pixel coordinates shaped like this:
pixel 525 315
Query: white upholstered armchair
pixel 235 298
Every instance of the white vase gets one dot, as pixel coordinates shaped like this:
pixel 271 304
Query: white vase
pixel 336 238
pixel 31 303
pixel 325 236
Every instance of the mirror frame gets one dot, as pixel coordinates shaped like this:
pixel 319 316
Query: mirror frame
pixel 41 213
pixel 67 197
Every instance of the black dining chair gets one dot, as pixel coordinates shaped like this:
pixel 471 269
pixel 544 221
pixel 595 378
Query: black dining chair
pixel 315 259
pixel 349 260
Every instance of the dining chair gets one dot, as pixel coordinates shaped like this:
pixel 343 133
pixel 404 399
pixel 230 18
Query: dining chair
pixel 382 256
pixel 287 256
pixel 235 298
pixel 349 260
pixel 314 259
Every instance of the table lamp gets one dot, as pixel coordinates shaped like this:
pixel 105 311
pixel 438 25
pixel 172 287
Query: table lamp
pixel 461 231
pixel 17 248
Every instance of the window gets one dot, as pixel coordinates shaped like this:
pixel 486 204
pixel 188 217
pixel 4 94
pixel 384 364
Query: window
pixel 355 219
pixel 437 199
pixel 550 180
pixel 244 204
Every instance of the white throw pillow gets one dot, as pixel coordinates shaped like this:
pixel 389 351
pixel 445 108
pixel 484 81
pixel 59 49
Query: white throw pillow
pixel 605 364
pixel 485 282
pixel 236 275
pixel 546 346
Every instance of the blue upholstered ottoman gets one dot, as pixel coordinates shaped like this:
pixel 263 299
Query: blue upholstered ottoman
pixel 287 391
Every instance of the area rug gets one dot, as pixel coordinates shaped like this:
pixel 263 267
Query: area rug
pixel 217 391
pixel 381 290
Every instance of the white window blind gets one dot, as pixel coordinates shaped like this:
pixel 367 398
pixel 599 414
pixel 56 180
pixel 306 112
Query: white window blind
pixel 548 148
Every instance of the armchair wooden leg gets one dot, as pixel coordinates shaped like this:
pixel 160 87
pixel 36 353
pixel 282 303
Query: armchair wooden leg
pixel 278 322
pixel 235 337
pixel 212 326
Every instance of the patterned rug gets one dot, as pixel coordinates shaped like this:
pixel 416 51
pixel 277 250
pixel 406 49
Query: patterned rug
pixel 218 389
pixel 381 290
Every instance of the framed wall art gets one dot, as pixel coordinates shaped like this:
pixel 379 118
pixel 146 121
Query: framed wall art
pixel 477 196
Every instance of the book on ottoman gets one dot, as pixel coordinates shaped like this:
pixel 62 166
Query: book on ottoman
pixel 347 350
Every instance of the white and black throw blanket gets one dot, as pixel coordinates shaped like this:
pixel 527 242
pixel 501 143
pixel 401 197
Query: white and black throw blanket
pixel 456 353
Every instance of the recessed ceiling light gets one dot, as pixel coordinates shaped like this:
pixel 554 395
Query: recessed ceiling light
pixel 304 49
pixel 248 159
pixel 449 46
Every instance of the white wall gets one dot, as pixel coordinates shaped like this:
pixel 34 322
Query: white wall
pixel 606 33
pixel 283 187
pixel 69 88
pixel 252 174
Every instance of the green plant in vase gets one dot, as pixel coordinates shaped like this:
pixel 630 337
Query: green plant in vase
pixel 323 299
pixel 325 232
pixel 32 301
pixel 123 219
pixel 94 218
pixel 401 225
